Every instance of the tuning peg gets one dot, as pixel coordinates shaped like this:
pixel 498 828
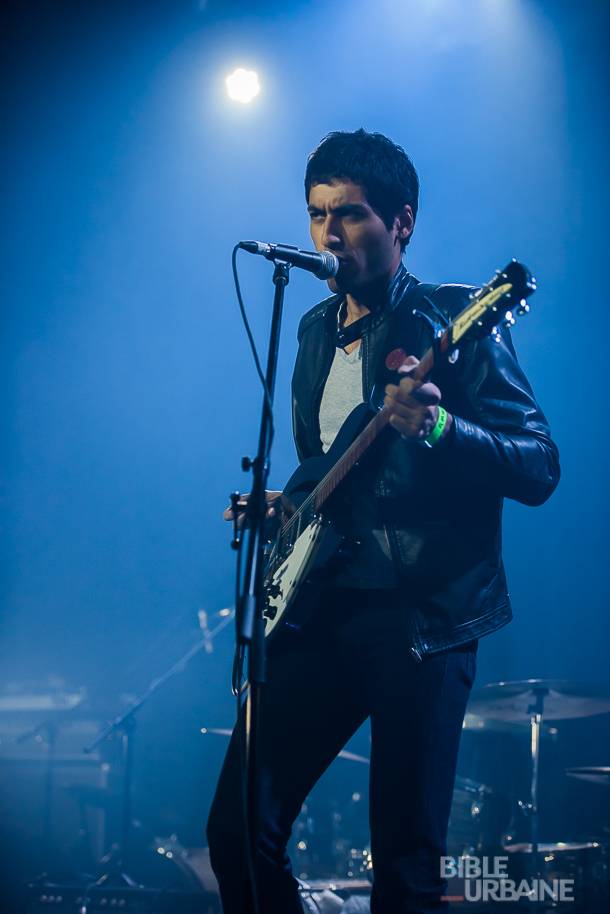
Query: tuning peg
pixel 495 335
pixel 523 308
pixel 509 320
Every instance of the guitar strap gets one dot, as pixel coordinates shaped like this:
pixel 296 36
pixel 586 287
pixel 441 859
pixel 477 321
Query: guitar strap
pixel 405 328
pixel 353 332
pixel 405 335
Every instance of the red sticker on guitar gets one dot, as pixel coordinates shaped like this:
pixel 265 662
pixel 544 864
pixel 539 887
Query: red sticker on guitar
pixel 394 359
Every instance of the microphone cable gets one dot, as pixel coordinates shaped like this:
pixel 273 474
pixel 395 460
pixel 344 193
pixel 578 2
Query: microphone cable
pixel 253 348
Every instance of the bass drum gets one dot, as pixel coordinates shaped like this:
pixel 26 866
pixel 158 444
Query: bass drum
pixel 479 819
pixel 586 864
pixel 331 840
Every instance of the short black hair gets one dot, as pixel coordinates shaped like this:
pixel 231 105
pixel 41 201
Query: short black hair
pixel 382 168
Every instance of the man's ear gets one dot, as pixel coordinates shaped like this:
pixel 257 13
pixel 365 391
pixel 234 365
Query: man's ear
pixel 404 222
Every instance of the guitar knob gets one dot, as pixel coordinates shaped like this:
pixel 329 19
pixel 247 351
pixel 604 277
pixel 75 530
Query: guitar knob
pixel 273 589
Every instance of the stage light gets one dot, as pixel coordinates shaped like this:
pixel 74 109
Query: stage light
pixel 243 85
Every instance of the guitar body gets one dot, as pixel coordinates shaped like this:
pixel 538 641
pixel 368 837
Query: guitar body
pixel 303 551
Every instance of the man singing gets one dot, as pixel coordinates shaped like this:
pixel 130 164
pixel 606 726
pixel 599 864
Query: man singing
pixel 393 634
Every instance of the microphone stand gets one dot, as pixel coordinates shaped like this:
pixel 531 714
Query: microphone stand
pixel 250 624
pixel 125 725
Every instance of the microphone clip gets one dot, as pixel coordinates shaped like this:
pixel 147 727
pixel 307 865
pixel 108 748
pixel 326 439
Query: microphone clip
pixel 234 498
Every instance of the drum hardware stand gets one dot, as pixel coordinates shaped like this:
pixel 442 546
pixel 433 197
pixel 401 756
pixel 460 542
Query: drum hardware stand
pixel 536 712
pixel 539 700
pixel 116 872
pixel 249 619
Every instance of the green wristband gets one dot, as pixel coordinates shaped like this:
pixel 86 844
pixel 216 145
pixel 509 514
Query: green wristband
pixel 435 435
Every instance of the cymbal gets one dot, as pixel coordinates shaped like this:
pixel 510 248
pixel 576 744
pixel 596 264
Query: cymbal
pixel 599 774
pixel 335 885
pixel 344 754
pixel 559 847
pixel 513 701
pixel 480 723
pixel 354 757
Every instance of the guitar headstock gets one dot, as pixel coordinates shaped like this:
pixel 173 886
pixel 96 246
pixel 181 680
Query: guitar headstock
pixel 497 304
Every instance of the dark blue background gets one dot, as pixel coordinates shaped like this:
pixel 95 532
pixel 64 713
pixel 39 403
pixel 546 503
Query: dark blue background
pixel 128 389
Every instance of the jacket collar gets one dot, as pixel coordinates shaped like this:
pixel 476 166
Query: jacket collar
pixel 398 286
pixel 374 340
pixel 400 283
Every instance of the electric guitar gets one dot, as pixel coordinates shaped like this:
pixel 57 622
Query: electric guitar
pixel 306 542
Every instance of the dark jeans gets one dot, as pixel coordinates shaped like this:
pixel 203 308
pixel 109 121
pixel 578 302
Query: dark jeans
pixel 351 662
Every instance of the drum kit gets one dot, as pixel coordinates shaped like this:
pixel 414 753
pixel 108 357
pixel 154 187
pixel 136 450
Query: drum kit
pixel 330 850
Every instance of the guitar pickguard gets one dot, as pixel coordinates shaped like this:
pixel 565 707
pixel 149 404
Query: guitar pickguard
pixel 284 581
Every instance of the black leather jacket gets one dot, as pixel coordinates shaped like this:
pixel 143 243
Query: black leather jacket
pixel 440 507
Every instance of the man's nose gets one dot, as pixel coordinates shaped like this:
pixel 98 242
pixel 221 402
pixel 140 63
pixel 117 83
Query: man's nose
pixel 331 235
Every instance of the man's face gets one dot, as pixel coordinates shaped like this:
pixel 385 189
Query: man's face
pixel 342 221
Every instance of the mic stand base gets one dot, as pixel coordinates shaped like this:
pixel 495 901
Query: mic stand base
pixel 114 877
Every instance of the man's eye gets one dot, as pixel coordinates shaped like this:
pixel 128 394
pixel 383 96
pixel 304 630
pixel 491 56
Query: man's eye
pixel 315 217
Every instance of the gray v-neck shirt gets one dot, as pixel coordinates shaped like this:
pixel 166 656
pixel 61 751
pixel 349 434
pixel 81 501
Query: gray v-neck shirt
pixel 369 564
pixel 342 393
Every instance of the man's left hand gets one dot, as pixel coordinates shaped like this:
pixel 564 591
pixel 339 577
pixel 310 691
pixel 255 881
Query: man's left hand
pixel 413 404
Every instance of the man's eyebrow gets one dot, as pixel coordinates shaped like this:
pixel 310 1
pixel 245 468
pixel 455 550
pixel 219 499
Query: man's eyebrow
pixel 342 210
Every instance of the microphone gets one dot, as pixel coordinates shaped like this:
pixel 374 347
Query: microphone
pixel 324 265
